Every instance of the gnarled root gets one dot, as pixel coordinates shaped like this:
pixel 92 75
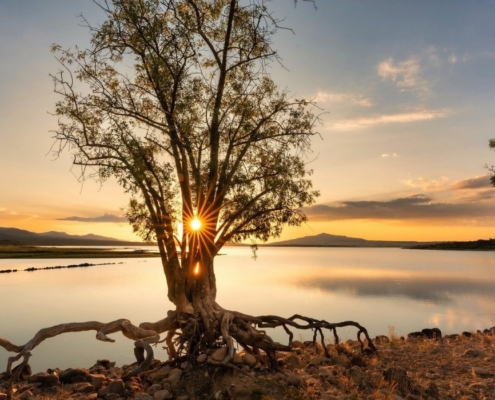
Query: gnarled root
pixel 226 328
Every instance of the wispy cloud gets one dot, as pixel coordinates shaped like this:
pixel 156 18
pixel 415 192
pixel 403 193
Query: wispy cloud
pixel 477 182
pixel 400 118
pixel 419 207
pixel 405 74
pixel 102 218
pixel 349 98
pixel 390 155
pixel 428 184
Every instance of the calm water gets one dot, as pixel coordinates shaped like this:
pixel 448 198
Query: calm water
pixel 383 289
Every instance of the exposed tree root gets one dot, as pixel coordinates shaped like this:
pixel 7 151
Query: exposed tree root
pixel 229 328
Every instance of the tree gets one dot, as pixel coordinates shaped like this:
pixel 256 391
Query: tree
pixel 200 136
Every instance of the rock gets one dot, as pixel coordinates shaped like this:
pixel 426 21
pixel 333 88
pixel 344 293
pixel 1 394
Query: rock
pixel 325 372
pixel 153 389
pixel 467 334
pixel 202 358
pixel 473 353
pixel 174 376
pixel 142 396
pixel 162 395
pixel 97 380
pixel 294 380
pixel 45 379
pixel 317 361
pixel 335 360
pixel 416 335
pixel 162 373
pixel 83 387
pixel 397 375
pixel 74 375
pixel 26 395
pixel 382 339
pixel 219 354
pixel 296 344
pixel 291 361
pixel 482 372
pixel 358 376
pixel 51 391
pixel 357 361
pixel 112 396
pixel 249 360
pixel 3 396
pixel 116 387
pixel 237 359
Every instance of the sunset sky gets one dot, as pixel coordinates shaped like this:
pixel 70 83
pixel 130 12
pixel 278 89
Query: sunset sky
pixel 408 91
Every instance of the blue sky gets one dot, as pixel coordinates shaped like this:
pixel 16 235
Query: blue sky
pixel 407 90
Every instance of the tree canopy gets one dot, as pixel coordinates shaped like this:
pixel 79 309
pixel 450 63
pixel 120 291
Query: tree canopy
pixel 173 98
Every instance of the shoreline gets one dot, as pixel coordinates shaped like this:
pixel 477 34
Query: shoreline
pixel 454 367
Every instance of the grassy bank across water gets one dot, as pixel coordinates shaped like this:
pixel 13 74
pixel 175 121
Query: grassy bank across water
pixel 27 252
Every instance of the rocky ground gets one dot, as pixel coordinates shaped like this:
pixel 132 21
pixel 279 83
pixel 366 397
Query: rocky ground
pixel 458 367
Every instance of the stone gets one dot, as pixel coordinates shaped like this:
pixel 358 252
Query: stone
pixel 162 395
pixel 292 361
pixel 162 373
pixel 219 354
pixel 481 372
pixel 142 396
pixel 116 387
pixel 51 391
pixel 473 353
pixel 97 380
pixel 112 396
pixel 294 380
pixel 202 358
pixel 26 395
pixel 237 359
pixel 317 361
pixel 3 396
pixel 382 339
pixel 45 379
pixel 312 382
pixel 153 389
pixel 83 387
pixel 74 375
pixel 174 376
pixel 249 360
pixel 335 360
pixel 397 375
pixel 358 376
pixel 296 344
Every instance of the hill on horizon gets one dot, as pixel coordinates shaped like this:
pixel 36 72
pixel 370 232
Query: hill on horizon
pixel 328 240
pixel 52 238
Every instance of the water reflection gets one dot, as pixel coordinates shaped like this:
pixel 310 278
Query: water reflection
pixel 437 289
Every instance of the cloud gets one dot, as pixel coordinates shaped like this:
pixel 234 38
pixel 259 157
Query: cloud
pixel 390 155
pixel 400 118
pixel 405 74
pixel 478 182
pixel 350 98
pixel 102 218
pixel 428 184
pixel 418 207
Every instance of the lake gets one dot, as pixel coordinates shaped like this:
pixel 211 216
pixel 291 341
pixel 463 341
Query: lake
pixel 382 289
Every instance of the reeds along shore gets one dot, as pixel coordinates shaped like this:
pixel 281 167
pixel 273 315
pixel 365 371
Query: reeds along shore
pixel 449 367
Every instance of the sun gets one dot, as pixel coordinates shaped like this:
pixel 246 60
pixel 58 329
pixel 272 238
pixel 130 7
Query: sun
pixel 196 224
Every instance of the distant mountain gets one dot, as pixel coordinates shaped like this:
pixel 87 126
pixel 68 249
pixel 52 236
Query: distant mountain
pixel 327 240
pixel 52 238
